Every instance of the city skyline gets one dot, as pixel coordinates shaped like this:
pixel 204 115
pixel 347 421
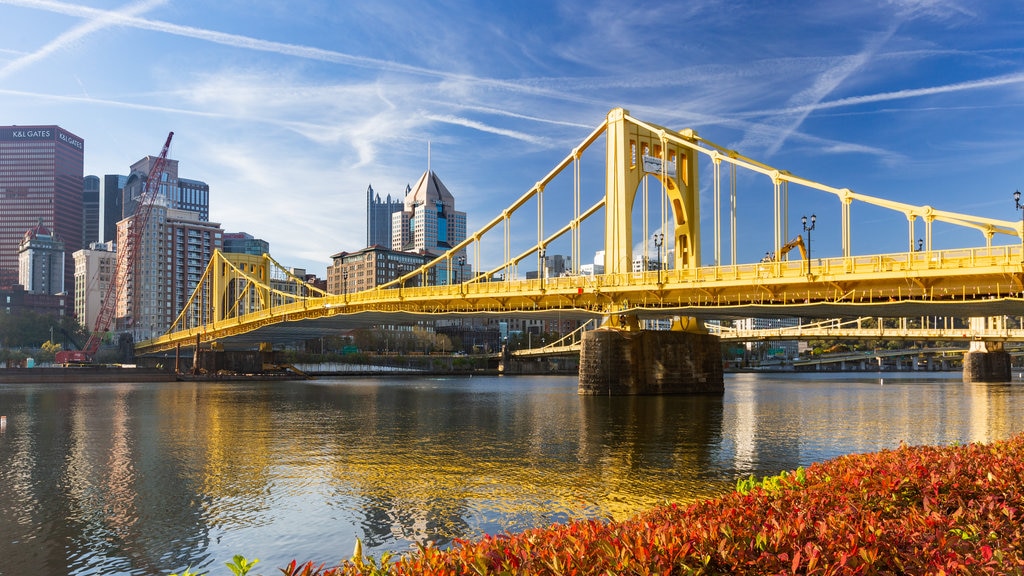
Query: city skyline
pixel 290 111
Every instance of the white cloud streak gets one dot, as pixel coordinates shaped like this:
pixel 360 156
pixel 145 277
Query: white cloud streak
pixel 791 118
pixel 465 122
pixel 250 43
pixel 66 40
pixel 986 83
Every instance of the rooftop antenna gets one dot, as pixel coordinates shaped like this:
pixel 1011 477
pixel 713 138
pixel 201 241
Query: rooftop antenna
pixel 428 156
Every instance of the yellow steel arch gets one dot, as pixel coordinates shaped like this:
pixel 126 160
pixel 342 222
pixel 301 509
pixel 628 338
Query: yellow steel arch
pixel 634 151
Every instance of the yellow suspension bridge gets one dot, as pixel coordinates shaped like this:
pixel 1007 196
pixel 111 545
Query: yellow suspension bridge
pixel 243 300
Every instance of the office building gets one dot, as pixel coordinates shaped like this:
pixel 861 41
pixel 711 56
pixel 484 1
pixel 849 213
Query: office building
pixel 193 196
pixel 371 267
pixel 429 224
pixel 90 210
pixel 94 270
pixel 379 216
pixel 643 263
pixel 243 243
pixel 16 300
pixel 41 169
pixel 178 193
pixel 113 189
pixel 41 261
pixel 553 266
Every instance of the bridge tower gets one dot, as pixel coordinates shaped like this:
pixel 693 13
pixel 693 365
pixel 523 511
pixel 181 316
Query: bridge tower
pixel 620 358
pixel 634 152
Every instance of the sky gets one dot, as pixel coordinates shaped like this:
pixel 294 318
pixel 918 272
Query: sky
pixel 289 110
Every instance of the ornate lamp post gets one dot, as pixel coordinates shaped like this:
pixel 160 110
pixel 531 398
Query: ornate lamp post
pixel 920 244
pixel 543 266
pixel 462 262
pixel 807 229
pixel 344 284
pixel 659 239
pixel 1019 206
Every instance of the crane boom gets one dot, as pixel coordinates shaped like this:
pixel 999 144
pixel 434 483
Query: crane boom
pixel 127 256
pixel 797 242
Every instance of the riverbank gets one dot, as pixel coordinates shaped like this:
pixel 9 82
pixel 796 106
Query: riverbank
pixel 83 375
pixel 912 510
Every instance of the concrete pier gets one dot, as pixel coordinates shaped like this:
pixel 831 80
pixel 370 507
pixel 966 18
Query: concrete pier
pixel 986 362
pixel 622 362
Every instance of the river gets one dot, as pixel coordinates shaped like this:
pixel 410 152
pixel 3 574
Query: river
pixel 152 478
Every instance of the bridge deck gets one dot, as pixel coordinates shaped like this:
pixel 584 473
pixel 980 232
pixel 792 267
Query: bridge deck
pixel 965 282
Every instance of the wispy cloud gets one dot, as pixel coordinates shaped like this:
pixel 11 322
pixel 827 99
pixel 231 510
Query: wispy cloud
pixel 250 43
pixel 789 119
pixel 112 103
pixel 467 123
pixel 510 114
pixel 985 83
pixel 97 22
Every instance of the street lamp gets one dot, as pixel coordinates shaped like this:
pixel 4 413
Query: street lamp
pixel 807 229
pixel 920 244
pixel 462 262
pixel 659 239
pixel 344 284
pixel 1016 202
pixel 543 266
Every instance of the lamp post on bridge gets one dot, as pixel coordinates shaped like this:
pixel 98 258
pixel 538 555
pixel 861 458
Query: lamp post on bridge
pixel 543 265
pixel 1019 206
pixel 659 239
pixel 807 229
pixel 920 244
pixel 344 284
pixel 462 262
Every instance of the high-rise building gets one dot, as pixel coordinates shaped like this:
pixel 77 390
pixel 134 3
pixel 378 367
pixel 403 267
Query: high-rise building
pixel 243 243
pixel 192 195
pixel 179 193
pixel 41 169
pixel 429 223
pixel 41 261
pixel 94 270
pixel 175 248
pixel 378 217
pixel 90 210
pixel 113 188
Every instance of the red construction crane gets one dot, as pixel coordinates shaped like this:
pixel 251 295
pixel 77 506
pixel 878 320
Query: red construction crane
pixel 127 261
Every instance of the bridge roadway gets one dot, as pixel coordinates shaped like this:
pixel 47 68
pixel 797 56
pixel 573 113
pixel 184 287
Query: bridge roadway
pixel 984 281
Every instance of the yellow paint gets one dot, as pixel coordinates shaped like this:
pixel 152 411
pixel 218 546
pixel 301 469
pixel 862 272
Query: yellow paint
pixel 239 294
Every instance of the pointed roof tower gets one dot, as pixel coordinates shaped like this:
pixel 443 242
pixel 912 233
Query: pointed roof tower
pixel 429 189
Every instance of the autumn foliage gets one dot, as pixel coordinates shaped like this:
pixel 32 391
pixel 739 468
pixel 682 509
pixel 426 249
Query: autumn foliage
pixel 912 510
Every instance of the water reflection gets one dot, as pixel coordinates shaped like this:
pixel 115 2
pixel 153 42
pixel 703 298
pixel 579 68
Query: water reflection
pixel 149 479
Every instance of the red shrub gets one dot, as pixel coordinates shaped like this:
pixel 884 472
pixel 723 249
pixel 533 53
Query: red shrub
pixel 921 510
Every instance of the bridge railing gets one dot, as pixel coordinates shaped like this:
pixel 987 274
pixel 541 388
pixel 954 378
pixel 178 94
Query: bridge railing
pixel 754 273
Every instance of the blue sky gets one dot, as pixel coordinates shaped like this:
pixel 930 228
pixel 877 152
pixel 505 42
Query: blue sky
pixel 289 109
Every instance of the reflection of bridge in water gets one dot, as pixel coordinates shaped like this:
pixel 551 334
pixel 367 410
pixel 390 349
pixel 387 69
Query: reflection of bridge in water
pixel 245 301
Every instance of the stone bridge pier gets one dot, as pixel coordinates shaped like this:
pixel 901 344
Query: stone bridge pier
pixel 620 359
pixel 986 360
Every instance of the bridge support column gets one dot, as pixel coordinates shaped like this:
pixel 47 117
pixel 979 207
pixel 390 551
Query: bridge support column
pixel 986 362
pixel 649 362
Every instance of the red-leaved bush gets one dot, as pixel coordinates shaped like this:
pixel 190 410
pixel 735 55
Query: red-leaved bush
pixel 913 510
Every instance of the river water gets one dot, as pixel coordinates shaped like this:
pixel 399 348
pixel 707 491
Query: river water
pixel 152 478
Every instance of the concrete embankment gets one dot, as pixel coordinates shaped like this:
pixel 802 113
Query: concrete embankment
pixel 85 374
